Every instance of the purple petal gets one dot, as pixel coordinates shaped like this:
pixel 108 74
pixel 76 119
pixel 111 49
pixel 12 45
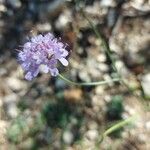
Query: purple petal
pixel 21 56
pixel 54 72
pixel 25 65
pixel 60 44
pixel 65 53
pixel 27 45
pixel 28 76
pixel 48 36
pixel 44 68
pixel 38 38
pixel 35 71
pixel 52 63
pixel 63 61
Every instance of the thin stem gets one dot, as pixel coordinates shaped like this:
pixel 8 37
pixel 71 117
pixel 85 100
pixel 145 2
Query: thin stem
pixel 108 51
pixel 88 83
pixel 104 44
pixel 117 126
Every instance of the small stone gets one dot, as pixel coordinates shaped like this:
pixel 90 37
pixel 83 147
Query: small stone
pixel 111 17
pixel 99 90
pixel 45 27
pixel 11 106
pixel 125 134
pixel 73 95
pixel 1 102
pixel 103 67
pixel 63 20
pixel 92 125
pixel 11 98
pixel 3 130
pixel 27 144
pixel 92 134
pixel 3 71
pixel 121 68
pixel 15 84
pixel 84 76
pixel 74 121
pixel 15 3
pixel 96 109
pixel 45 136
pixel 107 3
pixel 12 111
pixel 101 58
pixel 147 125
pixel 142 138
pixel 146 84
pixel 96 102
pixel 60 85
pixel 130 110
pixel 68 137
pixel 107 98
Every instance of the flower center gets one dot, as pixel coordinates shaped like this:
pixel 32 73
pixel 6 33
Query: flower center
pixel 49 56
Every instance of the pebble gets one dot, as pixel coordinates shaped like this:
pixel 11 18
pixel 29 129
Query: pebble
pixel 111 17
pixel 103 67
pixel 84 76
pixel 44 27
pixel 92 125
pixel 15 84
pixel 146 84
pixel 60 85
pixel 3 71
pixel 147 125
pixel 26 144
pixel 1 102
pixel 107 3
pixel 130 110
pixel 121 68
pixel 15 3
pixel 11 106
pixel 45 136
pixel 99 90
pixel 101 58
pixel 68 137
pixel 12 110
pixel 142 138
pixel 3 130
pixel 63 20
pixel 92 134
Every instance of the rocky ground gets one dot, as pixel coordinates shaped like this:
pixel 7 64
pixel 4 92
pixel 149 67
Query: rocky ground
pixel 47 113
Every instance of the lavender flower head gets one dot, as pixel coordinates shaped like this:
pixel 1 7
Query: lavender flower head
pixel 42 52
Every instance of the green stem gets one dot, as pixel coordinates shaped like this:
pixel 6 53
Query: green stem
pixel 109 52
pixel 117 126
pixel 104 44
pixel 88 83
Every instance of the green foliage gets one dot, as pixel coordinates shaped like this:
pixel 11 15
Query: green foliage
pixel 60 113
pixel 20 128
pixel 56 114
pixel 14 133
pixel 39 124
pixel 63 115
pixel 23 104
pixel 115 108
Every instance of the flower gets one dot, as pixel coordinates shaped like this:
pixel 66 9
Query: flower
pixel 42 52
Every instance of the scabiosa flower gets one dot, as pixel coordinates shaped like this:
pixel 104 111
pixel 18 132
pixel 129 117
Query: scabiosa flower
pixel 42 52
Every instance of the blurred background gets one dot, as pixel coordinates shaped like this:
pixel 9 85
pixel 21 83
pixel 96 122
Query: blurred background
pixel 49 114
